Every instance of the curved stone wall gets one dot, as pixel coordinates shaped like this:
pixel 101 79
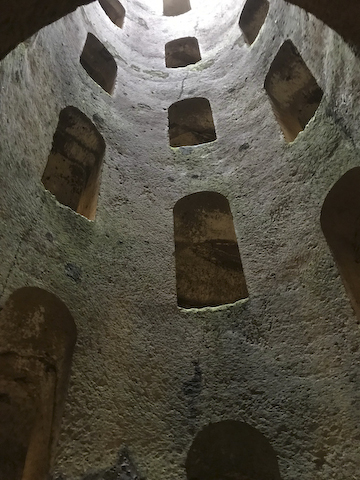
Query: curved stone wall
pixel 147 374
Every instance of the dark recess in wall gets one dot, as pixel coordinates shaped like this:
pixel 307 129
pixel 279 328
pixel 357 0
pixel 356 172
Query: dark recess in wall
pixel 191 122
pixel 208 265
pixel 114 10
pixel 252 18
pixel 171 8
pixel 99 63
pixel 73 169
pixel 182 52
pixel 231 450
pixel 340 223
pixel 293 91
pixel 38 335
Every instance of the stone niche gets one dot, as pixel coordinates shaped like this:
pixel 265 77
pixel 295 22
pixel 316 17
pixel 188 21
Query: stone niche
pixel 293 91
pixel 191 122
pixel 340 223
pixel 252 18
pixel 74 165
pixel 37 339
pixel 172 8
pixel 182 52
pixel 99 63
pixel 208 265
pixel 231 450
pixel 114 10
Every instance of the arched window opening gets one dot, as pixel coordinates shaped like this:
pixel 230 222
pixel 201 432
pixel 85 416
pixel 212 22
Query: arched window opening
pixel 114 10
pixel 340 223
pixel 208 265
pixel 231 450
pixel 293 91
pixel 17 420
pixel 252 18
pixel 182 52
pixel 176 7
pixel 73 169
pixel 37 338
pixel 191 122
pixel 99 63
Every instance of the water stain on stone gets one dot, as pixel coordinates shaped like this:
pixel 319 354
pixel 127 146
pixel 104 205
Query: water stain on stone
pixel 124 469
pixel 73 272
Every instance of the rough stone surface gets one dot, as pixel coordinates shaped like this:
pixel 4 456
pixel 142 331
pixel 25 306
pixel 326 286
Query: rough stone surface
pixel 123 469
pixel 287 361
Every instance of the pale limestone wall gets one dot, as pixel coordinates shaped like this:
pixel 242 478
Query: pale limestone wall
pixel 287 361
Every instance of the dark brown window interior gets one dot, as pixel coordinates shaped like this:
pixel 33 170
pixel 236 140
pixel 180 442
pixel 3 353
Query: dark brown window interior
pixel 231 450
pixel 114 10
pixel 252 18
pixel 182 52
pixel 293 91
pixel 17 420
pixel 208 265
pixel 99 63
pixel 340 223
pixel 176 7
pixel 191 122
pixel 73 169
pixel 37 338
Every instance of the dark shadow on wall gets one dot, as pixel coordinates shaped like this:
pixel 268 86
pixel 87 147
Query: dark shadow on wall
pixel 123 469
pixel 191 390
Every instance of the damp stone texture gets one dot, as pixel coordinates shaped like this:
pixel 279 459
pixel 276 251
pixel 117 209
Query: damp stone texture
pixel 275 375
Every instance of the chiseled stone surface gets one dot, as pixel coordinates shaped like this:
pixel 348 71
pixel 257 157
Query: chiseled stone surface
pixel 287 361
